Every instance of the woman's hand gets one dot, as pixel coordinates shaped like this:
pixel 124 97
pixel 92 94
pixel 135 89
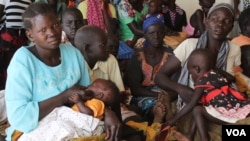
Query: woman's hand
pixel 185 93
pixel 49 104
pixel 112 126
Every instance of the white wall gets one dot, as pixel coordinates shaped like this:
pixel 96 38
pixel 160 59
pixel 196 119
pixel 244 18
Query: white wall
pixel 191 5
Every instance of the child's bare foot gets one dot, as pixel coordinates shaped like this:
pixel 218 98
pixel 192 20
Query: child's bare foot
pixel 179 136
pixel 163 98
pixel 159 111
pixel 166 101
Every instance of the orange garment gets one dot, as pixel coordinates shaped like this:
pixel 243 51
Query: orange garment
pixel 174 41
pixel 97 106
pixel 151 71
pixel 153 130
pixel 150 131
pixel 243 83
pixel 16 135
pixel 241 40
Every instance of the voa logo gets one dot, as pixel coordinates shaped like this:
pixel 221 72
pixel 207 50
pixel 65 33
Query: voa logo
pixel 236 132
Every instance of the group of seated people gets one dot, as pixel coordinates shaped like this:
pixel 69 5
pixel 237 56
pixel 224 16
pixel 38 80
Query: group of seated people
pixel 94 75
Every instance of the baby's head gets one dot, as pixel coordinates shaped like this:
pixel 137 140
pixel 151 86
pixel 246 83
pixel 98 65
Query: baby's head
pixel 245 60
pixel 72 20
pixel 105 90
pixel 155 6
pixel 199 62
pixel 42 25
pixel 244 22
pixel 92 42
pixel 113 44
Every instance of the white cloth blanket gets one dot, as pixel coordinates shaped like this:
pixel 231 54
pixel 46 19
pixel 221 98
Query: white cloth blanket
pixel 63 124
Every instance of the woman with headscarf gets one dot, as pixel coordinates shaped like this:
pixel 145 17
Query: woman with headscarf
pixel 145 64
pixel 219 23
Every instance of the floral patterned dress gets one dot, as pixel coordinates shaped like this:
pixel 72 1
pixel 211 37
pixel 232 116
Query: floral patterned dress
pixel 126 14
pixel 221 100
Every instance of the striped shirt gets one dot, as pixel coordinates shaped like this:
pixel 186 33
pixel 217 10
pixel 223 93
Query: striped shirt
pixel 2 20
pixel 14 10
pixel 178 10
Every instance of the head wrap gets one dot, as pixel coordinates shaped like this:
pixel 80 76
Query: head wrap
pixel 152 19
pixel 221 5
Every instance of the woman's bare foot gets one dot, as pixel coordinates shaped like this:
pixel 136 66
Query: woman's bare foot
pixel 159 111
pixel 179 136
pixel 166 101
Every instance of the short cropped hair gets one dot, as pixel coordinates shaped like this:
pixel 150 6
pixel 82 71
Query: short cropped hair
pixel 114 91
pixel 72 10
pixel 85 34
pixel 36 8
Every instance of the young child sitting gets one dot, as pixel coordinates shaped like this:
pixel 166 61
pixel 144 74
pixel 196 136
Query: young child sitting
pixel 175 20
pixel 72 20
pixel 155 8
pixel 198 18
pixel 221 103
pixel 174 16
pixel 101 64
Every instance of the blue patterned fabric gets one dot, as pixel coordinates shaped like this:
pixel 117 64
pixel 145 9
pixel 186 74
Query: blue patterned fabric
pixel 124 52
pixel 152 19
pixel 145 103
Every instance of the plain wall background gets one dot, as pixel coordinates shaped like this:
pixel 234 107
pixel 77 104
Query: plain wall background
pixel 191 5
